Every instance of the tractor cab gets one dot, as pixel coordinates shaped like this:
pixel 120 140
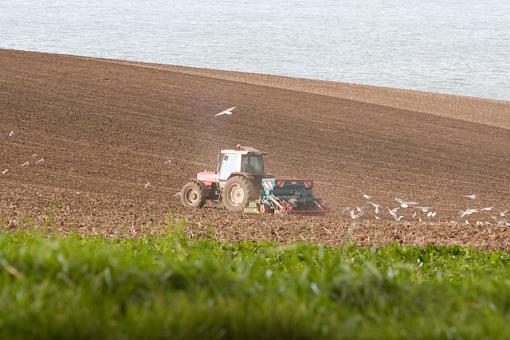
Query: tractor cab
pixel 245 160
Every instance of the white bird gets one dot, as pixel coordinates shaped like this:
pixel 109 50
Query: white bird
pixel 376 207
pixel 34 155
pixel 367 197
pixel 147 185
pixel 431 214
pixel 487 209
pixel 471 197
pixel 499 219
pixel 5 171
pixel 178 194
pixel 40 161
pixel 468 212
pixel 404 204
pixel 345 210
pixel 424 209
pixel 355 216
pixel 25 164
pixel 11 133
pixel 168 162
pixel 393 213
pixel 414 215
pixel 503 213
pixel 226 112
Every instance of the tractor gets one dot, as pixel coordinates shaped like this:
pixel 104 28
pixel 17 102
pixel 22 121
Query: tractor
pixel 240 183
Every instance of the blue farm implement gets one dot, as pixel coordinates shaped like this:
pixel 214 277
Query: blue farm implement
pixel 290 196
pixel 241 184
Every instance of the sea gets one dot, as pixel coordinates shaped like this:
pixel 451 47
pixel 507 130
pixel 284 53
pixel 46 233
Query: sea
pixel 451 46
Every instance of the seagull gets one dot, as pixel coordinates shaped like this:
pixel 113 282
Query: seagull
pixel 499 219
pixel 503 213
pixel 11 133
pixel 226 112
pixel 40 161
pixel 345 210
pixel 367 197
pixel 178 194
pixel 25 164
pixel 405 204
pixel 431 214
pixel 168 162
pixel 5 171
pixel 356 216
pixel 424 209
pixel 487 209
pixel 393 213
pixel 376 206
pixel 34 155
pixel 471 197
pixel 147 185
pixel 468 212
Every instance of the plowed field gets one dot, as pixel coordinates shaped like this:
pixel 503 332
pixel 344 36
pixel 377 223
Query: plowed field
pixel 102 131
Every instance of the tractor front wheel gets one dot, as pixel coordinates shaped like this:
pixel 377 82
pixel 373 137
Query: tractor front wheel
pixel 193 195
pixel 238 192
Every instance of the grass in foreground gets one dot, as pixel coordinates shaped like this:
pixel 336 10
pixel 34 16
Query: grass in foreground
pixel 74 287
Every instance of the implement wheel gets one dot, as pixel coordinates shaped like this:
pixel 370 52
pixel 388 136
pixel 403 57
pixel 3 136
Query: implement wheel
pixel 265 209
pixel 193 195
pixel 238 192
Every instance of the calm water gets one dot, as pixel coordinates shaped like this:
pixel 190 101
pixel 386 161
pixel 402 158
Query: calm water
pixel 455 46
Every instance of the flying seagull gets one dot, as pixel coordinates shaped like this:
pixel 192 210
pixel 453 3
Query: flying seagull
pixel 168 162
pixel 393 213
pixel 5 171
pixel 358 215
pixel 405 204
pixel 367 197
pixel 147 185
pixel 471 197
pixel 376 207
pixel 40 161
pixel 11 133
pixel 226 112
pixel 468 212
pixel 25 164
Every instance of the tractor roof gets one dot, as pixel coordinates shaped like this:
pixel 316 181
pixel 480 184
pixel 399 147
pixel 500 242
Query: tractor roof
pixel 243 150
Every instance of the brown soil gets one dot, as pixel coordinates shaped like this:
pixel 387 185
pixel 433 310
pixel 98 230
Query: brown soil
pixel 105 128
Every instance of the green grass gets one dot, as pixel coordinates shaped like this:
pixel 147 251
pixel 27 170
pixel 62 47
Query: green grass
pixel 81 287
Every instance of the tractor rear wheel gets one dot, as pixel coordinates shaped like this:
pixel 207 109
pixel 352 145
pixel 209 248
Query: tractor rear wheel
pixel 238 192
pixel 193 195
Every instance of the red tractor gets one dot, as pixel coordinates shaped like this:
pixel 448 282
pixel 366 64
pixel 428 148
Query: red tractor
pixel 241 184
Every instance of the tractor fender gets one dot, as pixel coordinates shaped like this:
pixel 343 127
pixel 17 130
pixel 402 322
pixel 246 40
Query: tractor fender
pixel 247 175
pixel 201 184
